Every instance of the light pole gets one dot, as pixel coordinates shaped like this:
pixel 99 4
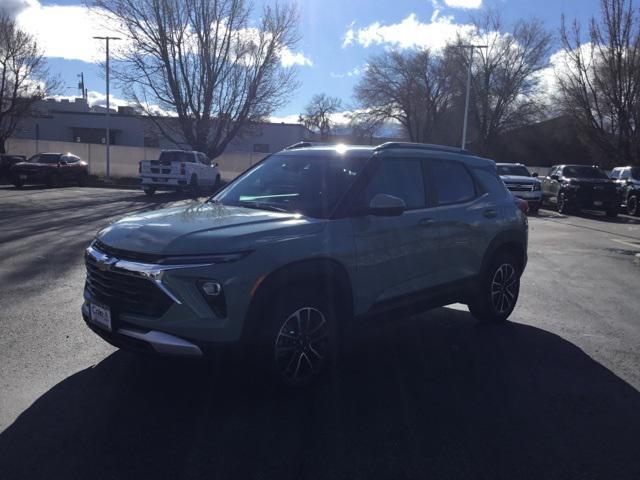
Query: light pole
pixel 466 101
pixel 108 114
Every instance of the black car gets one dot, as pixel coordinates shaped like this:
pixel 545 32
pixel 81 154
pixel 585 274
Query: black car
pixel 575 187
pixel 50 169
pixel 7 161
pixel 628 183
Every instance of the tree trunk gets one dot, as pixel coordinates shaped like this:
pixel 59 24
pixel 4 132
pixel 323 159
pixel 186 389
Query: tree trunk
pixel 2 147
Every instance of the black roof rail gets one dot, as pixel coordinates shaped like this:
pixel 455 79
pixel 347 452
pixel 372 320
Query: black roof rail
pixel 422 146
pixel 306 144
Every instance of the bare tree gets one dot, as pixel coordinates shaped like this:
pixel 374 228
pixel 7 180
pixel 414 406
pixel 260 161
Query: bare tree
pixel 364 126
pixel 600 81
pixel 24 78
pixel 505 81
pixel 317 114
pixel 201 61
pixel 413 88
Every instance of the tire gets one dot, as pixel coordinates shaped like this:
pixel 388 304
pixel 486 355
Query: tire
pixel 298 341
pixel 216 185
pixel 17 182
pixel 534 210
pixel 633 208
pixel 149 191
pixel 561 204
pixel 612 213
pixel 193 185
pixel 83 180
pixel 498 290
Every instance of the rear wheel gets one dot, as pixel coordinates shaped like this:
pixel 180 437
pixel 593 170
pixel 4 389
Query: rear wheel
pixel 17 183
pixel 83 180
pixel 632 206
pixel 498 290
pixel 298 342
pixel 149 191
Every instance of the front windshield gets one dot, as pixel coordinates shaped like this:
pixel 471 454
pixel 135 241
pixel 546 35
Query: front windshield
pixel 583 172
pixel 516 170
pixel 45 158
pixel 310 185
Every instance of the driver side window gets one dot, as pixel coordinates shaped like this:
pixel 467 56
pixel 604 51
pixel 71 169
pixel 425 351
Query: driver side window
pixel 402 178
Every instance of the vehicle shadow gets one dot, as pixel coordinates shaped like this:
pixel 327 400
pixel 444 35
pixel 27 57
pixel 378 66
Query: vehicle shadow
pixel 434 396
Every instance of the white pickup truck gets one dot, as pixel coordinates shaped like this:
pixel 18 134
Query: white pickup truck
pixel 179 170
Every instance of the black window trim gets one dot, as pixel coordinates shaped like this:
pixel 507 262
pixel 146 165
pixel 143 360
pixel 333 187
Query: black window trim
pixel 477 189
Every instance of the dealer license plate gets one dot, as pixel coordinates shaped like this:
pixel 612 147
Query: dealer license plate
pixel 101 316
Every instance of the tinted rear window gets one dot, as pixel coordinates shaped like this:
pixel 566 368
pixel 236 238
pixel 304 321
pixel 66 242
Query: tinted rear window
pixel 186 157
pixel 453 182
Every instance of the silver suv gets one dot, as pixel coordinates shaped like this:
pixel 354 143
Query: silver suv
pixel 304 241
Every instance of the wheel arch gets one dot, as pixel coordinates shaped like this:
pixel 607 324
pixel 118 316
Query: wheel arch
pixel 512 242
pixel 327 274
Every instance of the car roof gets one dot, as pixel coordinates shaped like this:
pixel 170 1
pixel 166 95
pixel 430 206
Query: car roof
pixel 501 164
pixel 443 152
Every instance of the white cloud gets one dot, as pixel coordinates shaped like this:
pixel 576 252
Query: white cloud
pixel 293 118
pixel 67 31
pixel 463 3
pixel 289 58
pixel 354 72
pixel 409 33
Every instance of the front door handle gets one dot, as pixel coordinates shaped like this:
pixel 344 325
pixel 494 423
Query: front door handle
pixel 490 213
pixel 426 222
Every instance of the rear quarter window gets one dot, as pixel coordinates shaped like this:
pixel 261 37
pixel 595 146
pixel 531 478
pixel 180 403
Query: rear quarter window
pixel 489 181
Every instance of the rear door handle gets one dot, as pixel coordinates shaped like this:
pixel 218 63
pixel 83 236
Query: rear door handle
pixel 426 222
pixel 490 213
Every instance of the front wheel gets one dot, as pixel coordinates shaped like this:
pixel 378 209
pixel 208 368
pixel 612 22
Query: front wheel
pixel 632 206
pixel 298 343
pixel 498 290
pixel 563 207
pixel 149 191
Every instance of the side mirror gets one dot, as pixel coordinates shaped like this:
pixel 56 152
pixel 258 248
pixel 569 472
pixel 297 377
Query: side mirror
pixel 214 164
pixel 384 205
pixel 534 174
pixel 554 177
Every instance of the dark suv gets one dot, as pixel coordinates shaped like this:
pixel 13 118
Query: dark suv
pixel 575 187
pixel 300 243
pixel 628 184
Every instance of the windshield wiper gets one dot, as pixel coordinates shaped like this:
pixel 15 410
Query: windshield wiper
pixel 262 206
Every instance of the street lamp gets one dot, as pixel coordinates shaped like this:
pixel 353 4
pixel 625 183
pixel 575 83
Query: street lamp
pixel 108 115
pixel 466 101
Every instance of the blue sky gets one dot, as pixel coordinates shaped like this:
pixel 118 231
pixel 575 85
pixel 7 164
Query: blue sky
pixel 337 36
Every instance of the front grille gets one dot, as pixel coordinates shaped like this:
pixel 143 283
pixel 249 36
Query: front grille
pixel 124 292
pixel 519 187
pixel 126 254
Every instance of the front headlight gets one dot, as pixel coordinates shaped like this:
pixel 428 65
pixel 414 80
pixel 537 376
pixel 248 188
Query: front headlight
pixel 203 259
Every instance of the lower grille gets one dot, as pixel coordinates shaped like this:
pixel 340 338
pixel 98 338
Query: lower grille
pixel 519 187
pixel 124 292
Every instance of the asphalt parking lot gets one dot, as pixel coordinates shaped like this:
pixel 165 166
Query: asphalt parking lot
pixel 552 394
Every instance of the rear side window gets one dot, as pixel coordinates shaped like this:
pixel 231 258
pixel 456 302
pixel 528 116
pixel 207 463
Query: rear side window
pixel 452 181
pixel 400 178
pixel 489 181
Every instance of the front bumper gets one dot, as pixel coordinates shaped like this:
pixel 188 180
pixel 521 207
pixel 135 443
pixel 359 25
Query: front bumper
pixel 589 199
pixel 187 324
pixel 129 337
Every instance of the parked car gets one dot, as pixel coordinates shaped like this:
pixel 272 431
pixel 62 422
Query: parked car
pixel 521 183
pixel 302 242
pixel 574 187
pixel 179 170
pixel 628 184
pixel 7 161
pixel 52 169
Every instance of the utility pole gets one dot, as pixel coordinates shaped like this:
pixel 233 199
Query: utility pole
pixel 466 101
pixel 108 114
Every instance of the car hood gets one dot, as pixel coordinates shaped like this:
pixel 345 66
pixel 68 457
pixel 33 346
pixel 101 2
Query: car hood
pixel 205 228
pixel 519 179
pixel 591 181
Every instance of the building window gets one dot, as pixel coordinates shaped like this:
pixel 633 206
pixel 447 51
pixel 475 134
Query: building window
pixel 92 135
pixel 261 147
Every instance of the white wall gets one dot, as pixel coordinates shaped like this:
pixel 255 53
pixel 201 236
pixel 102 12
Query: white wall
pixel 123 160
